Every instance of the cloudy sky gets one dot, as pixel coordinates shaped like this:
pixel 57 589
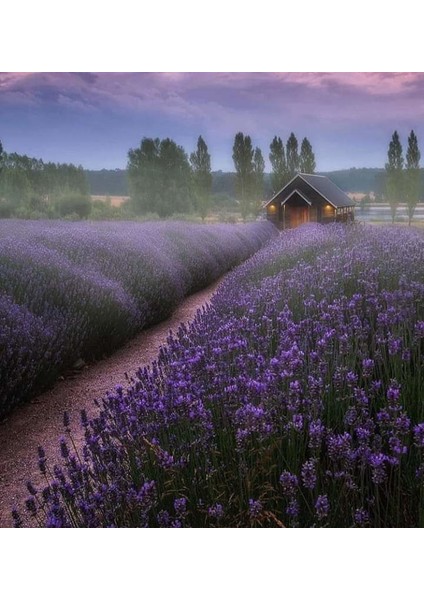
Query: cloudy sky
pixel 94 118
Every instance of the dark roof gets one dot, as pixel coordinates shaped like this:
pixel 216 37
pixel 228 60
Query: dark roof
pixel 329 190
pixel 325 187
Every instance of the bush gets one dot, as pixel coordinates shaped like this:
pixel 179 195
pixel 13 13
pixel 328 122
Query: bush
pixel 75 204
pixel 6 209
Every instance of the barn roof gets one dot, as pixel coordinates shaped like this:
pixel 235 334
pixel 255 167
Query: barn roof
pixel 325 187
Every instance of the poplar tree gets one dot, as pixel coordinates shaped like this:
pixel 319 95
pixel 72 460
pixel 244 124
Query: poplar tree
pixel 412 175
pixel 394 174
pixel 243 162
pixel 307 157
pixel 202 177
pixel 277 159
pixel 292 154
pixel 258 180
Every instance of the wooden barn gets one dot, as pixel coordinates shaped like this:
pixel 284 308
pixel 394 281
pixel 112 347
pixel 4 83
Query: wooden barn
pixel 307 198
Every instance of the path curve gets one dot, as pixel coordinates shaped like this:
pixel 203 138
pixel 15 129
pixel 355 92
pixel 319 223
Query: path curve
pixel 40 422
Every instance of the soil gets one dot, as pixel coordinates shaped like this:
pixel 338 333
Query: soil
pixel 40 422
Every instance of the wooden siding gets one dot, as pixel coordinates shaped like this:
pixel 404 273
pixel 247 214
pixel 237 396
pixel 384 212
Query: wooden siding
pixel 297 211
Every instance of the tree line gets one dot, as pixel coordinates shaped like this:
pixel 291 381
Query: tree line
pixel 165 180
pixel 403 178
pixel 31 187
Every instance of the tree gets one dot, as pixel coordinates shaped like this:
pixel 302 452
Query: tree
pixel 159 177
pixel 243 162
pixel 307 157
pixel 292 155
pixel 412 175
pixel 258 180
pixel 394 174
pixel 277 159
pixel 202 176
pixel 1 157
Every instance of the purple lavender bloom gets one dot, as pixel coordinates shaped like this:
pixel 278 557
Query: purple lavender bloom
pixel 289 483
pixel 292 509
pixel 216 511
pixel 322 507
pixel 316 434
pixel 377 462
pixel 64 450
pixel 393 392
pixel 309 475
pixel 297 422
pixel 255 508
pixel 367 367
pixel 163 518
pixel 180 506
pixel 419 435
pixel 361 517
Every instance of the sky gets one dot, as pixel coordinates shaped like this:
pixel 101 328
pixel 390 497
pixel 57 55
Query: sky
pixel 93 119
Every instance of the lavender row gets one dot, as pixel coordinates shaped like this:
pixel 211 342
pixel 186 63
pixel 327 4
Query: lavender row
pixel 294 399
pixel 71 291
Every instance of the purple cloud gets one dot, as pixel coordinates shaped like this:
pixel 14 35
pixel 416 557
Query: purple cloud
pixel 335 110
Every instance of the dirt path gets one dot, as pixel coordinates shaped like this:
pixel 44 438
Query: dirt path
pixel 40 422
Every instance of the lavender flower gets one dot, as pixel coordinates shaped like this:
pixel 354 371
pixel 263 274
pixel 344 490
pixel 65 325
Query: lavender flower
pixel 255 508
pixel 322 507
pixel 309 476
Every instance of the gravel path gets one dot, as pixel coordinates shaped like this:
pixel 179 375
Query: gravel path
pixel 40 422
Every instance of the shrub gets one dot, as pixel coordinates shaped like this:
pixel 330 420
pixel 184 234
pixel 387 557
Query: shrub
pixel 75 204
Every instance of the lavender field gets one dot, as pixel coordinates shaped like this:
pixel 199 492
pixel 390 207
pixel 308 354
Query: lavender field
pixel 294 399
pixel 71 291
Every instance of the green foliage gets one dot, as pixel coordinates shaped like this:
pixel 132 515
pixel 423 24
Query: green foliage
pixel 292 154
pixel 243 162
pixel 15 186
pixel 74 206
pixel 307 157
pixel 412 175
pixel 159 177
pixel 258 181
pixel 1 157
pixel 202 177
pixel 277 159
pixel 394 174
pixel 31 187
pixel 6 209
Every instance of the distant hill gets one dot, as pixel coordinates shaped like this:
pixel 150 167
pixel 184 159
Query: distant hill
pixel 108 182
pixel 358 180
pixel 113 182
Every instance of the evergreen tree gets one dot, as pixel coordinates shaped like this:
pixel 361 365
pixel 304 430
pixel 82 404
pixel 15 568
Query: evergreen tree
pixel 412 175
pixel 159 176
pixel 307 157
pixel 292 154
pixel 394 174
pixel 243 162
pixel 202 177
pixel 258 180
pixel 277 159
